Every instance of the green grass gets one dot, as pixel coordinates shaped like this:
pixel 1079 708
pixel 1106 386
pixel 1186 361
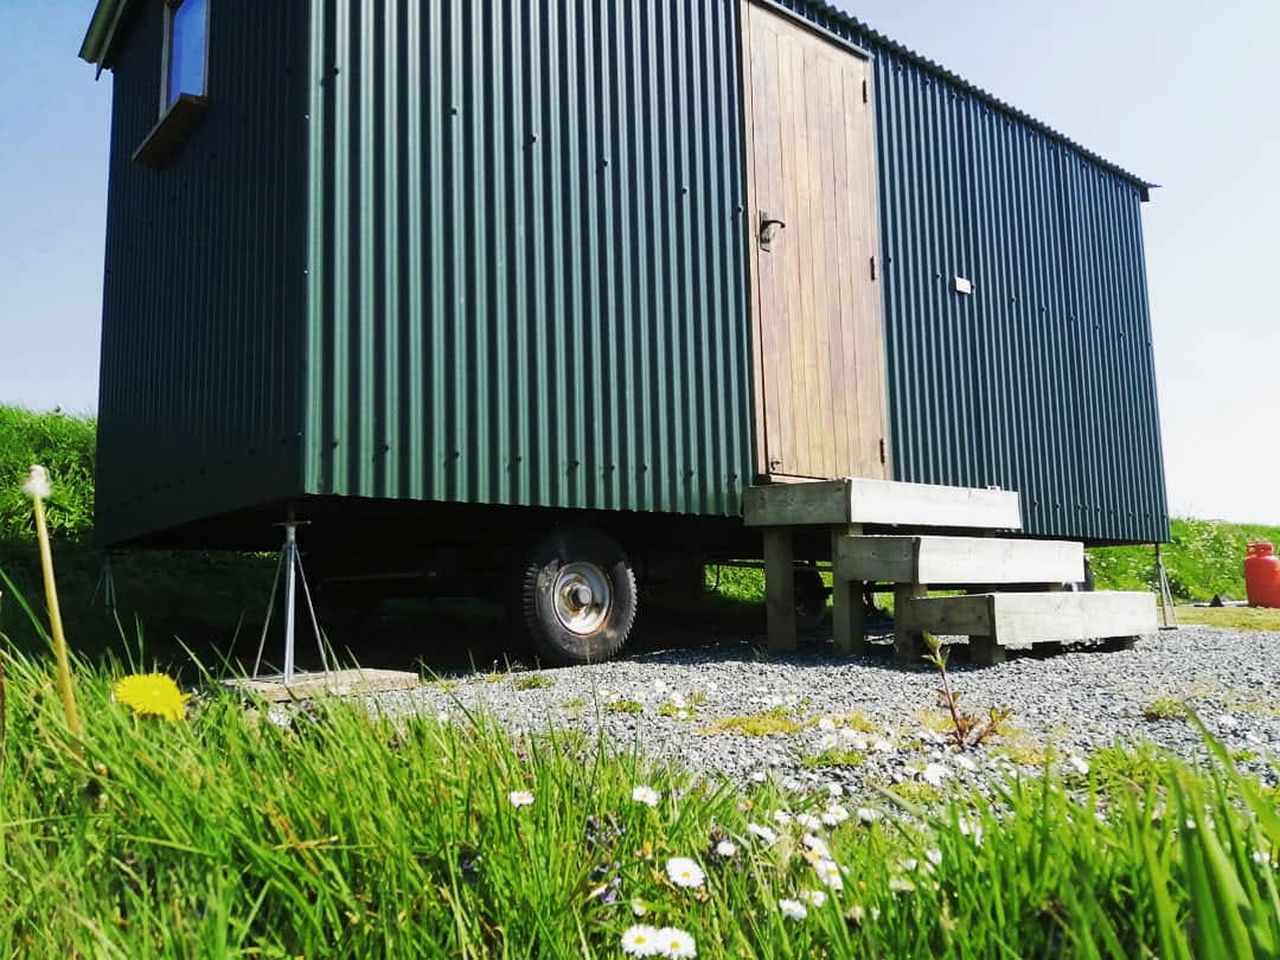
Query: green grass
pixel 1206 558
pixel 1232 618
pixel 341 833
pixel 63 444
pixel 1165 708
pixel 533 681
pixel 765 724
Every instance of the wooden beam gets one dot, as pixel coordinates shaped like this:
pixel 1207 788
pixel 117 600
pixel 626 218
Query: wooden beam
pixel 958 560
pixel 779 588
pixel 848 615
pixel 908 639
pixel 1021 619
pixel 882 502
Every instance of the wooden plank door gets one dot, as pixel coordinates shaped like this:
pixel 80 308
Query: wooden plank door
pixel 820 380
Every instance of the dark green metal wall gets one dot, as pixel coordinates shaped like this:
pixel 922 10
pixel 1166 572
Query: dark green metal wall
pixel 1043 380
pixel 199 408
pixel 495 253
pixel 526 263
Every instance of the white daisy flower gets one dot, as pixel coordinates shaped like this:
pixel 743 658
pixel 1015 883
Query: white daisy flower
pixel 868 814
pixel 834 815
pixel 1080 764
pixel 817 845
pixel 678 700
pixel 790 783
pixel 901 885
pixel 726 848
pixel 808 821
pixel 827 725
pixel 676 944
pixel 682 714
pixel 759 777
pixel 828 741
pixel 853 739
pixel 972 830
pixel 828 872
pixel 934 856
pixel 964 763
pixel 520 798
pixel 640 940
pixel 764 833
pixel 685 872
pixel 934 773
pixel 646 795
pixel 835 790
pixel 792 909
pixel 815 898
pixel 782 818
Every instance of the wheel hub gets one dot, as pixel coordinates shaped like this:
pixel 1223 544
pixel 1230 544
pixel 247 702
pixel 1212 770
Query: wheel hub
pixel 582 597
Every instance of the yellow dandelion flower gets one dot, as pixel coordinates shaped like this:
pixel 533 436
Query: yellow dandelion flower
pixel 152 695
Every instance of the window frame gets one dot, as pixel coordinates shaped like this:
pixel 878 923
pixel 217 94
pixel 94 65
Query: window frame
pixel 170 10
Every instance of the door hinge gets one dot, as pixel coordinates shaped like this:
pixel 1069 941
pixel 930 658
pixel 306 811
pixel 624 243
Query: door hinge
pixel 873 267
pixel 866 95
pixel 882 456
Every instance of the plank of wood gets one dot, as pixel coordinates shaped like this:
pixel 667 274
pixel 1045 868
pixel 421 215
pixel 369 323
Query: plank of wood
pixel 848 627
pixel 1020 619
pixel 823 502
pixel 884 502
pixel 336 683
pixel 958 560
pixel 779 589
pixel 908 642
pixel 932 505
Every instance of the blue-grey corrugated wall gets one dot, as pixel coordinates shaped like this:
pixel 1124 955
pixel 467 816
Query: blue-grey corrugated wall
pixel 1043 380
pixel 526 266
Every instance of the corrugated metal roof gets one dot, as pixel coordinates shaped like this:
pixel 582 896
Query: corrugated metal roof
pixel 820 8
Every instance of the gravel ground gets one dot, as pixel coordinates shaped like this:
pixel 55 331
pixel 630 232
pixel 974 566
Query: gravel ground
pixel 1075 701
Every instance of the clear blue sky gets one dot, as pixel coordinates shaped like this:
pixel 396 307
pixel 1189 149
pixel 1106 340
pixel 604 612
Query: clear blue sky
pixel 1185 94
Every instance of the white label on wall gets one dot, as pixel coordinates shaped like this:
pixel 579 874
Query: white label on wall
pixel 964 285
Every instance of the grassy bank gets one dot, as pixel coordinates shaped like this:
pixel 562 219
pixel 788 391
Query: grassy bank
pixel 331 832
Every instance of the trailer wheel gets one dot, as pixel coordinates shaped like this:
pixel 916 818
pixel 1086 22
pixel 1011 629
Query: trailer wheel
pixel 579 597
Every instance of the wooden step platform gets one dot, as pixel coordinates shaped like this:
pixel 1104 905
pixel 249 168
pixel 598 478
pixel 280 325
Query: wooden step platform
pixel 994 621
pixel 949 561
pixel 880 502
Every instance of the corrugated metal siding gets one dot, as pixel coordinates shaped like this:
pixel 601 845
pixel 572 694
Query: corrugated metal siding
pixel 199 399
pixel 1043 381
pixel 526 254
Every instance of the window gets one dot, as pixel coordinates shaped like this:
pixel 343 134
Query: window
pixel 186 41
pixel 182 81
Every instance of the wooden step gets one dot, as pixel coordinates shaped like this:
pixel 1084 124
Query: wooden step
pixel 937 560
pixel 1021 619
pixel 853 500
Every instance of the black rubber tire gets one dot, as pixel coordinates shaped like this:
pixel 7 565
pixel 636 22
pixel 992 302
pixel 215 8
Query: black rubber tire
pixel 551 639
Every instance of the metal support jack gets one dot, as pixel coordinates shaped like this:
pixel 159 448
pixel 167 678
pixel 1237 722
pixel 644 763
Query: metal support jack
pixel 1168 618
pixel 291 566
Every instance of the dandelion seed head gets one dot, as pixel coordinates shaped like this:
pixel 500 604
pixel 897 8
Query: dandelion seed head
pixel 37 485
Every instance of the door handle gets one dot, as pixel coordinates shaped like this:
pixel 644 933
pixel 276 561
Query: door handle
pixel 768 225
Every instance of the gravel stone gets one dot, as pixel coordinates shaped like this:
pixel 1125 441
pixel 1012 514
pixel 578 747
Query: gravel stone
pixel 1076 701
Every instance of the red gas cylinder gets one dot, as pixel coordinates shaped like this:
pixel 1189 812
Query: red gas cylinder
pixel 1262 575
